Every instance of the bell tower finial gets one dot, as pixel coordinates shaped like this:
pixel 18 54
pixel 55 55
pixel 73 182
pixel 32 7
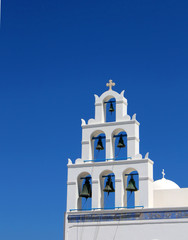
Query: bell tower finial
pixel 110 84
pixel 163 173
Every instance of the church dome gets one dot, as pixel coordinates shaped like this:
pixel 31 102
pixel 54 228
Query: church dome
pixel 164 184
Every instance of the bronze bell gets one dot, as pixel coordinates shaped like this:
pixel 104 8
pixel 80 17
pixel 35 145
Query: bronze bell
pixel 132 185
pixel 86 189
pixel 109 186
pixel 121 143
pixel 111 109
pixel 99 144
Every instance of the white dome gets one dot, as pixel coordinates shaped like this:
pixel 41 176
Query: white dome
pixel 164 184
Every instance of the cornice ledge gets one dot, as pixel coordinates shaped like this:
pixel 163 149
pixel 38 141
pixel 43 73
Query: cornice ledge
pixel 111 124
pixel 106 163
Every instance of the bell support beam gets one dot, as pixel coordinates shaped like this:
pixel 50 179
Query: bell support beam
pixel 111 101
pixel 119 135
pixel 85 177
pixel 136 174
pixel 109 175
pixel 99 137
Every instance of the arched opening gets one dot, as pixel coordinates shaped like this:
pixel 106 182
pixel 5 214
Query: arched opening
pixel 131 188
pixel 119 142
pixel 84 191
pixel 107 187
pixel 98 144
pixel 110 109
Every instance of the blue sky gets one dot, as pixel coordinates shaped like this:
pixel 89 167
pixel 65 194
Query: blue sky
pixel 54 56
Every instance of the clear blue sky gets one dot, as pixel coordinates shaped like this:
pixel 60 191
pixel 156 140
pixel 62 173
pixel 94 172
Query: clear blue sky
pixel 54 55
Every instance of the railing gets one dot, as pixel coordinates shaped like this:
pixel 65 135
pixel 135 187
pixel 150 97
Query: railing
pixel 107 159
pixel 89 209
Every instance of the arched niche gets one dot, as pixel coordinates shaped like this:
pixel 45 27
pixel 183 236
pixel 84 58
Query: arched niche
pixel 121 105
pixel 109 102
pixel 98 155
pixel 83 203
pixel 119 153
pixel 130 199
pixel 107 201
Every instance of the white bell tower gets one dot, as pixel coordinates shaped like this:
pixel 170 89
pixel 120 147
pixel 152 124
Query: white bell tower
pixel 120 168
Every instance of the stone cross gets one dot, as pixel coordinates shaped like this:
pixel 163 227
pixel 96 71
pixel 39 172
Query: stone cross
pixel 110 84
pixel 163 173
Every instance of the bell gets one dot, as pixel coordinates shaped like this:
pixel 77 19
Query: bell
pixel 111 109
pixel 99 145
pixel 121 143
pixel 109 186
pixel 86 189
pixel 131 186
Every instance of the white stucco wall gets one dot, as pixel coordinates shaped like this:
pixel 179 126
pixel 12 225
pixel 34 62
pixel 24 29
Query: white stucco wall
pixel 158 230
pixel 171 198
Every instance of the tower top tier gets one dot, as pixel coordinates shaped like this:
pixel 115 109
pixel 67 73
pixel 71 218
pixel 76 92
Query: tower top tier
pixel 101 104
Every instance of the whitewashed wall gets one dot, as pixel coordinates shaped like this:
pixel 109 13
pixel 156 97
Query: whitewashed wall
pixel 171 198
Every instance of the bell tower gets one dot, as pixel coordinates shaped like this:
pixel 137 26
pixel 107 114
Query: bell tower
pixel 86 177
